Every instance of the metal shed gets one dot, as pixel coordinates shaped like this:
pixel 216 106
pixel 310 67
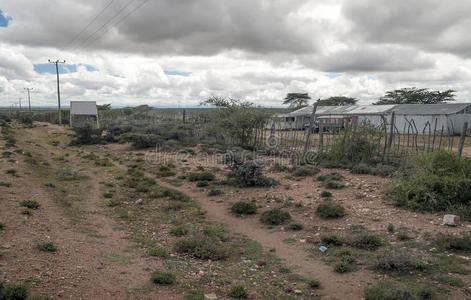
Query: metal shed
pixel 83 108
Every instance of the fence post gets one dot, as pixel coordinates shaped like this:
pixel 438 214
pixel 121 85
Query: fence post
pixel 311 123
pixel 391 134
pixel 463 138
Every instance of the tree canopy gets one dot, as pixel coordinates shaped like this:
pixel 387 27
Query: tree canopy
pixel 416 96
pixel 297 99
pixel 338 101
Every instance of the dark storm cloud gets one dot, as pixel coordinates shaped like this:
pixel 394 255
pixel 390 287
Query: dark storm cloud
pixel 188 27
pixel 430 25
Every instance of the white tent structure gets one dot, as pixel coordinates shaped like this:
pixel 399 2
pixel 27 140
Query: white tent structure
pixel 83 108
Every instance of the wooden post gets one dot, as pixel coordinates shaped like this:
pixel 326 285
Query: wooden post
pixel 462 139
pixel 312 120
pixel 391 134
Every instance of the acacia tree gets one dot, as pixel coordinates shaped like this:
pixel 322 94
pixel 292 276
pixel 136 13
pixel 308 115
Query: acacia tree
pixel 297 99
pixel 235 118
pixel 338 101
pixel 416 96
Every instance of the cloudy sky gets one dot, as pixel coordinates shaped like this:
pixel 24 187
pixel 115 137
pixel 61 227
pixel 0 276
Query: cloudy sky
pixel 178 52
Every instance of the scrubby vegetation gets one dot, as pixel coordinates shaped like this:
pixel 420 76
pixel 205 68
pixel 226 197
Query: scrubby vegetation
pixel 433 182
pixel 275 216
pixel 244 208
pixel 46 247
pixel 163 278
pixel 31 204
pixel 330 210
pixel 205 244
pixel 238 292
pixel 13 291
pixel 248 173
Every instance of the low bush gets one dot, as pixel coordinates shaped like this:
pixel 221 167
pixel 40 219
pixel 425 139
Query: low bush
pixel 202 183
pixel 26 212
pixel 203 176
pixel 334 185
pixel 5 184
pixel 179 231
pixel 214 192
pixel 86 135
pixel 159 252
pixel 195 295
pixel 108 195
pixel 202 246
pixel 391 228
pixel 295 226
pixel 334 176
pixel 11 171
pixel 163 278
pixel 238 292
pixel 248 174
pixel 32 204
pixel 326 194
pixel 277 167
pixel 141 141
pixel 343 267
pixel 332 239
pixel 403 236
pixel 330 210
pixel 2 226
pixel 304 171
pixel 69 175
pixel 438 181
pixel 46 247
pixel 366 242
pixel 396 260
pixel 454 243
pixel 244 208
pixel 275 216
pixel 16 291
pixel 314 283
pixel 385 290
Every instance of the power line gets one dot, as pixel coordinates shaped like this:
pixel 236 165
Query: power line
pixel 106 23
pixel 89 24
pixel 117 23
pixel 57 62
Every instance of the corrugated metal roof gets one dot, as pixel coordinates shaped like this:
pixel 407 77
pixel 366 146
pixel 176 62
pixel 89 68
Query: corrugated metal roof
pixel 344 110
pixel 430 109
pixel 83 108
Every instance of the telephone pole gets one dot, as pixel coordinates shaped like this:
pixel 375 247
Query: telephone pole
pixel 19 101
pixel 57 62
pixel 29 97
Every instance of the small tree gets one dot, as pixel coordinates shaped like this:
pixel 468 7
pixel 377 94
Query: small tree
pixel 235 119
pixel 416 96
pixel 338 101
pixel 297 99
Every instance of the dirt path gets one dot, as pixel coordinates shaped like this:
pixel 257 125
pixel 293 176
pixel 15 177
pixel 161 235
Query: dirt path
pixel 334 285
pixel 91 262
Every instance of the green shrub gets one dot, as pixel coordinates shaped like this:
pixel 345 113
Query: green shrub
pixel 69 175
pixel 141 141
pixel 202 246
pixel 295 226
pixel 277 167
pixel 366 242
pixel 159 252
pixel 32 204
pixel 26 212
pixel 403 236
pixel 454 243
pixel 214 192
pixel 11 171
pixel 396 260
pixel 6 154
pixel 332 239
pixel 46 247
pixel 5 184
pixel 203 176
pixel 438 181
pixel 275 217
pixel 248 174
pixel 362 168
pixel 163 278
pixel 334 185
pixel 179 231
pixel 238 292
pixel 326 194
pixel 314 283
pixel 2 226
pixel 330 210
pixel 385 290
pixel 303 171
pixel 108 195
pixel 244 208
pixel 334 176
pixel 13 291
pixel 202 183
pixel 343 267
pixel 391 228
pixel 86 135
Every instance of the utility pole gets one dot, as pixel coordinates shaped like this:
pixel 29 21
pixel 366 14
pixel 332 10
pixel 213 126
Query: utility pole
pixel 29 97
pixel 19 101
pixel 57 62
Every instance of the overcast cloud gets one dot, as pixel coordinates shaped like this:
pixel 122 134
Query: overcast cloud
pixel 176 53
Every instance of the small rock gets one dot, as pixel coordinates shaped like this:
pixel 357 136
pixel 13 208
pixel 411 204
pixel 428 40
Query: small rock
pixel 313 240
pixel 261 262
pixel 211 296
pixel 298 292
pixel 451 220
pixel 138 202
